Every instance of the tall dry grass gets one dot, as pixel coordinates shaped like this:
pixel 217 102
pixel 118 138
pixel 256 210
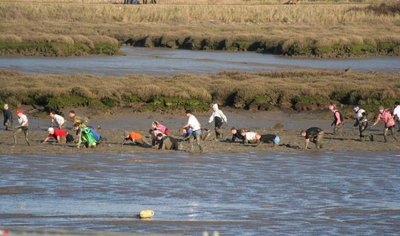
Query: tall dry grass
pixel 286 27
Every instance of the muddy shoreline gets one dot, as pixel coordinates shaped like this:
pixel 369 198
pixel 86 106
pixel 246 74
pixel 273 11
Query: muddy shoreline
pixel 286 125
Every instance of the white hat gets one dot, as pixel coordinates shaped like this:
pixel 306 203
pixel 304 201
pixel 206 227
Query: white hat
pixel 356 108
pixel 51 130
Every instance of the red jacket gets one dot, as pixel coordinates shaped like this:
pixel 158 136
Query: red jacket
pixel 58 133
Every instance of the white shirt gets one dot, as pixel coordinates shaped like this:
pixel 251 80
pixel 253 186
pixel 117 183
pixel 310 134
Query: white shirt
pixel 396 112
pixel 59 119
pixel 23 120
pixel 194 123
pixel 251 136
pixel 360 114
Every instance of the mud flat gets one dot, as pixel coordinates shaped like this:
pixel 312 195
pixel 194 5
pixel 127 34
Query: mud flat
pixel 286 125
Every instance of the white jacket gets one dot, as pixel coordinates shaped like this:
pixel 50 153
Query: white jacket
pixel 217 113
pixel 396 112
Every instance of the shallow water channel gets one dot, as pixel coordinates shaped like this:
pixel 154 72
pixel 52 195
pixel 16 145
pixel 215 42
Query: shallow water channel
pixel 171 62
pixel 235 194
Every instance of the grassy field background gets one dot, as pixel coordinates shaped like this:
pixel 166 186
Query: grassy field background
pixel 312 28
pixel 287 90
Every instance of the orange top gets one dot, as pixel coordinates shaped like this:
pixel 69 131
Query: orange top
pixel 134 136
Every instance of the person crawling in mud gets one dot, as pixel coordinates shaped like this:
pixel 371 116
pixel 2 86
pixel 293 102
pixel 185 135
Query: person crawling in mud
pixel 166 142
pixel 60 135
pixel 255 138
pixel 78 119
pixel 314 135
pixel 134 138
pixel 160 127
pixel 236 135
pixel 87 136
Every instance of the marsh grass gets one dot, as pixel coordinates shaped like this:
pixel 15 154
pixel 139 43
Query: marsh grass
pixel 323 30
pixel 297 90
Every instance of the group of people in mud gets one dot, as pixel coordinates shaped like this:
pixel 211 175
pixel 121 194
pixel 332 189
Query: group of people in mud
pixel 85 135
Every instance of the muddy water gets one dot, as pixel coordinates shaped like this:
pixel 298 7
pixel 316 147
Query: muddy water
pixel 170 62
pixel 242 194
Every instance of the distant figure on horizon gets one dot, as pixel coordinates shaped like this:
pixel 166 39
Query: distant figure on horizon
pixel 292 2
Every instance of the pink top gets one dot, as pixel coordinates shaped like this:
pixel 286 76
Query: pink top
pixel 337 115
pixel 387 118
pixel 162 128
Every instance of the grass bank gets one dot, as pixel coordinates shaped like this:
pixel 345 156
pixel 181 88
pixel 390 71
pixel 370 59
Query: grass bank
pixel 323 29
pixel 292 90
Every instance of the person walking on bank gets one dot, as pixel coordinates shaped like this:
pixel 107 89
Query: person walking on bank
pixel 195 126
pixel 8 118
pixel 59 120
pixel 23 126
pixel 388 119
pixel 219 118
pixel 337 119
pixel 361 122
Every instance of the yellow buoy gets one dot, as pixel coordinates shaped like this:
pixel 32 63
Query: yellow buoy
pixel 146 214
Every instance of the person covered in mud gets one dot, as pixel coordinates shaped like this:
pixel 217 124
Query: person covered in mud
pixel 8 118
pixel 60 135
pixel 361 122
pixel 195 126
pixel 166 142
pixel 135 138
pixel 236 135
pixel 57 119
pixel 250 137
pixel 272 139
pixel 78 119
pixel 23 125
pixel 87 136
pixel 219 118
pixel 160 127
pixel 314 135
pixel 396 113
pixel 337 119
pixel 387 117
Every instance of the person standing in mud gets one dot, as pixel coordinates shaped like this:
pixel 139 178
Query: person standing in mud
pixel 388 119
pixel 219 118
pixel 23 126
pixel 337 119
pixel 396 113
pixel 8 118
pixel 313 134
pixel 195 126
pixel 361 122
